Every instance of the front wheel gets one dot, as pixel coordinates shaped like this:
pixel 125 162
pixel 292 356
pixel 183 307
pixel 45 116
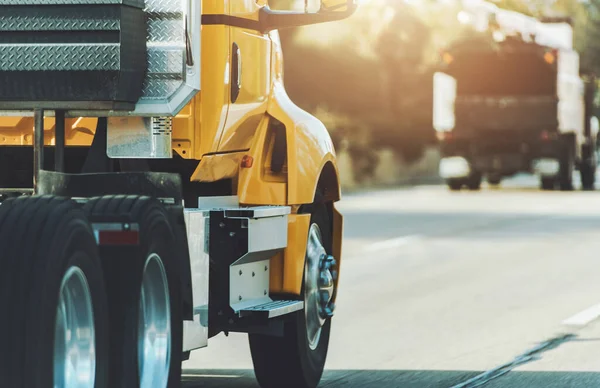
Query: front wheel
pixel 297 359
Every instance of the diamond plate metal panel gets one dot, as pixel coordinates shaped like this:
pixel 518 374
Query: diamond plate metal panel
pixel 161 6
pixel 60 53
pixel 164 30
pixel 173 30
pixel 170 83
pixel 53 19
pixel 166 48
pixel 71 57
pixel 133 3
pixel 158 89
pixel 166 61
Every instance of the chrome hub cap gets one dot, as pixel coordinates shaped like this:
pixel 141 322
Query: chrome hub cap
pixel 318 286
pixel 154 333
pixel 74 337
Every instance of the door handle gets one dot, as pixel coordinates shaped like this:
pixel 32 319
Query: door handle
pixel 236 70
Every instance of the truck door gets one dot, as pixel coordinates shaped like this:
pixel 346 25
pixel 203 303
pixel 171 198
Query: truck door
pixel 213 102
pixel 250 80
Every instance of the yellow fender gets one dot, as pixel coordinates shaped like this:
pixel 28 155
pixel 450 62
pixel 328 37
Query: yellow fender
pixel 310 151
pixel 311 163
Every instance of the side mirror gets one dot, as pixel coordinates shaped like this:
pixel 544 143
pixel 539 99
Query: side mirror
pixel 295 13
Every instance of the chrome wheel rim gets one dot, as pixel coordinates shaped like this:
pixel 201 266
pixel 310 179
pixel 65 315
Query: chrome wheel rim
pixel 154 331
pixel 318 286
pixel 74 334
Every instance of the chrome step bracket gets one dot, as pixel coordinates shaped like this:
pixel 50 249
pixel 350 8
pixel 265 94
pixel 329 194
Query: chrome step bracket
pixel 240 242
pixel 273 309
pixel 265 234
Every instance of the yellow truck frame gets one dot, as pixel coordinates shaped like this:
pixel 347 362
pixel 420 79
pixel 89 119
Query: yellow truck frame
pixel 158 193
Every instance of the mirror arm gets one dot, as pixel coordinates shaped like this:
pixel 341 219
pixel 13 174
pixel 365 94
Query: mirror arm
pixel 270 20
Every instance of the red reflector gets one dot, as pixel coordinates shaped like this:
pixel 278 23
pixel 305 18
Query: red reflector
pixel 445 136
pixel 545 135
pixel 116 237
pixel 247 161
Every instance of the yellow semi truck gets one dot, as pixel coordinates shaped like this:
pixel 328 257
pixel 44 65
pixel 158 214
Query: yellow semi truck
pixel 158 188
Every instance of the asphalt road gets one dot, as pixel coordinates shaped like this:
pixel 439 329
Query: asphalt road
pixel 440 289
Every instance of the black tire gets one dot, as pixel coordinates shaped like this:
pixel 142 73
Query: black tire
pixel 494 180
pixel 124 268
pixel 567 165
pixel 455 184
pixel 588 168
pixel 474 181
pixel 588 177
pixel 43 239
pixel 288 361
pixel 547 183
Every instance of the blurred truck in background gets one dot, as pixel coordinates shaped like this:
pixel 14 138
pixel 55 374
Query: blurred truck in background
pixel 512 100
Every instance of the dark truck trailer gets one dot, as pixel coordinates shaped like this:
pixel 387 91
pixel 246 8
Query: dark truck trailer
pixel 515 107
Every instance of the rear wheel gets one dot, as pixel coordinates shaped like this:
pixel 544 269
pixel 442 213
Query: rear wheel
pixel 144 295
pixel 494 180
pixel 588 167
pixel 297 359
pixel 474 181
pixel 567 165
pixel 588 177
pixel 547 183
pixel 54 295
pixel 455 184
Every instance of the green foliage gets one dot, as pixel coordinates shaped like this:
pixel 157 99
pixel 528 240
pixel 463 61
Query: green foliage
pixel 527 8
pixel 374 70
pixel 590 31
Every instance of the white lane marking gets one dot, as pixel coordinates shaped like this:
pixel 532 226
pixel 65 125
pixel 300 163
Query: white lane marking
pixel 392 243
pixel 583 318
pixel 188 375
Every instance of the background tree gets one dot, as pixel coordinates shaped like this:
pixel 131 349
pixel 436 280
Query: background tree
pixel 370 76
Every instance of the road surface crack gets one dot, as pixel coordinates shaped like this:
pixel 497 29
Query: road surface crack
pixel 529 356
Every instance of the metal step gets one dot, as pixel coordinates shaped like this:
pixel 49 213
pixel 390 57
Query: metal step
pixel 273 309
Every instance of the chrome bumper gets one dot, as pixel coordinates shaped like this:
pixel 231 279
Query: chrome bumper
pixel 546 166
pixel 454 167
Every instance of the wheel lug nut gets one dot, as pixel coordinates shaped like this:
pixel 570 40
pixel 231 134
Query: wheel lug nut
pixel 324 296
